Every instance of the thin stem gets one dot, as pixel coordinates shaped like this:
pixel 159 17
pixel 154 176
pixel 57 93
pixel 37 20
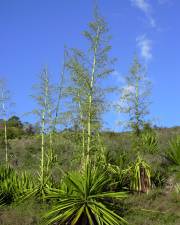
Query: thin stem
pixel 90 97
pixel 5 132
pixel 42 146
pixel 137 128
pixel 83 131
pixel 6 141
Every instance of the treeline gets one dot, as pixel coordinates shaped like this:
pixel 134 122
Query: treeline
pixel 16 128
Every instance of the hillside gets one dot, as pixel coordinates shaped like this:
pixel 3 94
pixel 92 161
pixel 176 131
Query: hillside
pixel 161 206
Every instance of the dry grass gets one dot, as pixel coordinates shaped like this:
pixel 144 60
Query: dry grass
pixel 157 208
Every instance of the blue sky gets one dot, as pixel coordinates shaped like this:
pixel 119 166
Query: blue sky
pixel 33 34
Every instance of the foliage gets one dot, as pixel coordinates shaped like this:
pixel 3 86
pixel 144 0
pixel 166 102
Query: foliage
pixel 12 185
pixel 45 111
pixel 177 188
pixel 119 177
pixel 173 152
pixel 14 121
pixel 149 142
pixel 15 129
pixel 88 70
pixel 84 199
pixel 135 176
pixel 134 97
pixel 159 178
pixel 118 171
pixel 140 175
pixel 39 190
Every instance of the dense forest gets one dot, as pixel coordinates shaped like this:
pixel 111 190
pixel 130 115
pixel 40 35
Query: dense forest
pixel 65 168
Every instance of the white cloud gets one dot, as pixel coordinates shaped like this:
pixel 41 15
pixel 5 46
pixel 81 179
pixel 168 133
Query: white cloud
pixel 115 73
pixel 145 46
pixel 142 5
pixel 152 22
pixel 145 7
pixel 118 76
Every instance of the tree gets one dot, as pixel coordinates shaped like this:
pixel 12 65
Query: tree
pixel 14 121
pixel 134 101
pixel 88 70
pixel 45 109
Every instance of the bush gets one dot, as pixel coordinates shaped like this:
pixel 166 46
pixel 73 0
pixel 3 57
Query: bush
pixel 149 142
pixel 83 199
pixel 173 152
pixel 13 185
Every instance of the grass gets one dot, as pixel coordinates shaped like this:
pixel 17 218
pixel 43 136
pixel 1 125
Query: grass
pixel 157 208
pixel 28 213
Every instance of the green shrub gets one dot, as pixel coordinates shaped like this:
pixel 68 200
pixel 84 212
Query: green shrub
pixel 159 178
pixel 12 185
pixel 149 142
pixel 140 175
pixel 173 152
pixel 83 199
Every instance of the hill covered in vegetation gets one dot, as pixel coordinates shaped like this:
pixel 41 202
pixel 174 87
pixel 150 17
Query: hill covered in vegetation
pixel 159 206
